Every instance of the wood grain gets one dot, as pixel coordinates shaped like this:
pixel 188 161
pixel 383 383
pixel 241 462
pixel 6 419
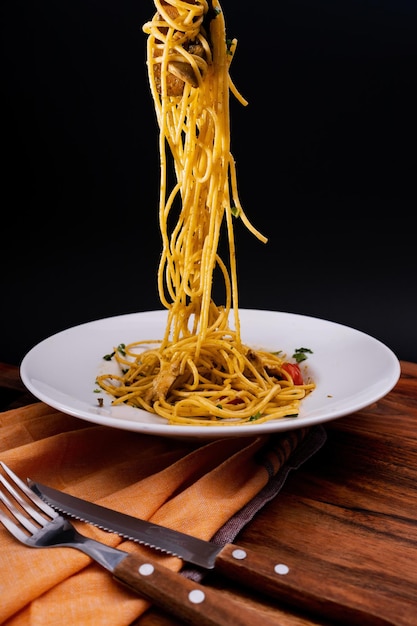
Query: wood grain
pixel 348 518
pixel 194 603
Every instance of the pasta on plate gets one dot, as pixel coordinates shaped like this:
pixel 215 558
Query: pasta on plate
pixel 199 372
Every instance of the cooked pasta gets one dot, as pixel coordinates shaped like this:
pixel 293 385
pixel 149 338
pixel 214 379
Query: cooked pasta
pixel 199 372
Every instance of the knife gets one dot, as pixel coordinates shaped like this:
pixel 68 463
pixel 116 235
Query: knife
pixel 256 570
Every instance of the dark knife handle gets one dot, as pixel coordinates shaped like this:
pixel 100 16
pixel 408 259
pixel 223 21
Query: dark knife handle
pixel 191 602
pixel 294 586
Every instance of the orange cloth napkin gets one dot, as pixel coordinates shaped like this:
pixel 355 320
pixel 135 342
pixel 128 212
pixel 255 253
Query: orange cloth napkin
pixel 196 487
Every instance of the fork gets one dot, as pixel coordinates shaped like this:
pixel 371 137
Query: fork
pixel 30 520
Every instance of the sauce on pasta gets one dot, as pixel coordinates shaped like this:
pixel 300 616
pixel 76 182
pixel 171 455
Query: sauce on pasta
pixel 200 371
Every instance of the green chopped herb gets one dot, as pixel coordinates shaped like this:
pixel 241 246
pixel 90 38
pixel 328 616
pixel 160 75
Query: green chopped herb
pixel 255 417
pixel 300 354
pixel 120 348
pixel 235 211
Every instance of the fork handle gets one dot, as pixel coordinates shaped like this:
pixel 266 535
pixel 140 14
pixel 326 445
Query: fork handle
pixel 184 598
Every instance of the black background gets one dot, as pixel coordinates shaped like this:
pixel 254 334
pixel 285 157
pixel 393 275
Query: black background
pixel 325 153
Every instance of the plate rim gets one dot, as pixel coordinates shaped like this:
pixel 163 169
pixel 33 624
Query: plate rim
pixel 196 431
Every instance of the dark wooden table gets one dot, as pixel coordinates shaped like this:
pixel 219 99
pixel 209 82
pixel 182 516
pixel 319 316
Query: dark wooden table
pixel 348 517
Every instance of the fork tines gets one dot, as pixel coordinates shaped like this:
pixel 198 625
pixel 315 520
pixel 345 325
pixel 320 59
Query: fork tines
pixel 18 499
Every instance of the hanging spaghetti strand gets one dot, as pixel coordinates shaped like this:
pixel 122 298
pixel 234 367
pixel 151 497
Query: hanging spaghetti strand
pixel 199 372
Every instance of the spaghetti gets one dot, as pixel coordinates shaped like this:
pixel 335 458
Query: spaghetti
pixel 200 372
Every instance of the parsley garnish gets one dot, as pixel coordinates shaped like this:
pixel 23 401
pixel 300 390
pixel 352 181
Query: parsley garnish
pixel 120 348
pixel 300 354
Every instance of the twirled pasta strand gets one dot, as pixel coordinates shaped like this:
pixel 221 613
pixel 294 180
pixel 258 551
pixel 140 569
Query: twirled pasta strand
pixel 200 372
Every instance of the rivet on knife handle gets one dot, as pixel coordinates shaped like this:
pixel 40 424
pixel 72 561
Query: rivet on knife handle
pixel 293 585
pixel 192 602
pixel 279 579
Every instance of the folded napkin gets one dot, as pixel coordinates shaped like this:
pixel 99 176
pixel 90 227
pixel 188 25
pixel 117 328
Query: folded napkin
pixel 209 490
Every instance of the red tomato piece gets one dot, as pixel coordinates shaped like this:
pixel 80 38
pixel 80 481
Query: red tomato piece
pixel 294 371
pixel 235 401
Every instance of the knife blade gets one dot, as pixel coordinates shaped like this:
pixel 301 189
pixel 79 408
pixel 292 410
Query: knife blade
pixel 292 584
pixel 189 548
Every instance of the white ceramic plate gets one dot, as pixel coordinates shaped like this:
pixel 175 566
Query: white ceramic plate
pixel 350 368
